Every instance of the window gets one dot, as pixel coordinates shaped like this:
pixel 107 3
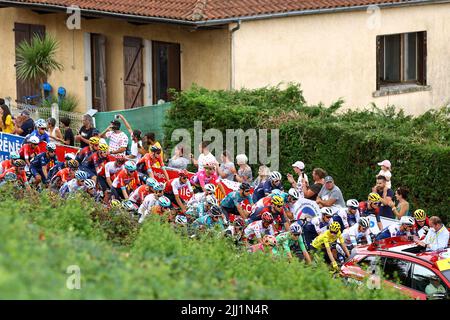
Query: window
pixel 397 270
pixel 401 59
pixel 425 280
pixel 369 261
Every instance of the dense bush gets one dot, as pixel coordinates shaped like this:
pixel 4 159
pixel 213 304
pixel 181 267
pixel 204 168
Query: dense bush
pixel 347 144
pixel 43 236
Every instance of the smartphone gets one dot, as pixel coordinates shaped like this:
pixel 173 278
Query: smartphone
pixel 116 117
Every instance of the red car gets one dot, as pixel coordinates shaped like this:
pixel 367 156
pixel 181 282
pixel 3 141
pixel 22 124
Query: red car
pixel 404 266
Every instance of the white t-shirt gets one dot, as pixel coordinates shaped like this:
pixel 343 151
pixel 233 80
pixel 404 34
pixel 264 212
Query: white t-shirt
pixel 202 159
pixel 300 179
pixel 135 150
pixel 117 141
pixel 387 174
pixel 111 168
pixel 149 201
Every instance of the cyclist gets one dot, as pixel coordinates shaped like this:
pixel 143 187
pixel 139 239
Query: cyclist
pixel 18 170
pixel 231 204
pixel 326 243
pixel 372 206
pixel 151 199
pixel 139 194
pixel 290 199
pixel 42 162
pixel 88 150
pixel 95 163
pixel 402 228
pixel 90 187
pixel 357 233
pixel 152 159
pixel 274 182
pixel 421 224
pixel 174 187
pixel 352 211
pixel 39 132
pixel 266 201
pixel 111 170
pixel 211 219
pixel 202 208
pixel 64 175
pixel 161 206
pixel 8 163
pixel 256 229
pixel 200 197
pixel 275 209
pixel 29 150
pixel 341 217
pixel 317 225
pixel 126 181
pixel 205 176
pixel 60 165
pixel 74 185
pixel 236 230
pixel 286 240
pixel 267 245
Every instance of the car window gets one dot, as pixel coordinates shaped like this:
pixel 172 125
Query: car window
pixel 369 261
pixel 397 270
pixel 425 280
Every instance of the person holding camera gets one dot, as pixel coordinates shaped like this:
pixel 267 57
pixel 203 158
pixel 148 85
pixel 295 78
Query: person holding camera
pixel 118 140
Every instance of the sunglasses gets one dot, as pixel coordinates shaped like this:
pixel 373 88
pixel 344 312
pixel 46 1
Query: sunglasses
pixel 278 206
pixel 276 181
pixel 333 232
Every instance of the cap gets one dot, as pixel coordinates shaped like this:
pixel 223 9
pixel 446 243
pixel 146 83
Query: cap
pixel 115 122
pixel 25 113
pixel 299 164
pixel 329 179
pixel 385 163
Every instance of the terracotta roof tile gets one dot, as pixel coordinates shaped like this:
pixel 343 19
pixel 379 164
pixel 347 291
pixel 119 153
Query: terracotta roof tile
pixel 196 10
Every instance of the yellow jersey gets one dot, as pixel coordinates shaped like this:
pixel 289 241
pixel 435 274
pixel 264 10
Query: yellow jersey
pixel 324 239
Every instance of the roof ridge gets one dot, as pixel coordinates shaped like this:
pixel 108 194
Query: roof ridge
pixel 198 13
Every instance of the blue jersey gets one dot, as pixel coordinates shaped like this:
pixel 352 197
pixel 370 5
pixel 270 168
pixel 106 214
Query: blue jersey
pixel 56 168
pixel 233 199
pixel 42 137
pixel 390 231
pixel 42 159
pixel 207 221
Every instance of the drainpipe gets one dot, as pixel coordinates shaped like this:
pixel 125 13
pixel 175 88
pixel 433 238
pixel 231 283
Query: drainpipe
pixel 232 75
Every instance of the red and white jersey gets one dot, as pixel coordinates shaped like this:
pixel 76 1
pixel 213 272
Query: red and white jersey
pixel 175 186
pixel 138 195
pixel 149 202
pixel 256 229
pixel 111 169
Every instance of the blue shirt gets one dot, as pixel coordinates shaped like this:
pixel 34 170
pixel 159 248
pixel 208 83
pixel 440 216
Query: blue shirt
pixel 208 221
pixel 42 160
pixel 233 199
pixel 386 211
pixel 42 137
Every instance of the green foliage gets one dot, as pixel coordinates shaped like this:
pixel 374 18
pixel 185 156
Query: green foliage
pixel 69 103
pixel 43 236
pixel 346 144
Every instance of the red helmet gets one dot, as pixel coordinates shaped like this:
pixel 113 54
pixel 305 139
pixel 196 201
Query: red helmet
pixel 239 222
pixel 267 217
pixel 183 173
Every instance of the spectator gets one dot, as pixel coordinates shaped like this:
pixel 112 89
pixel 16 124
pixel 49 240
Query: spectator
pixel 434 287
pixel 244 173
pixel 386 195
pixel 6 121
pixel 137 150
pixel 330 195
pixel 437 236
pixel 53 131
pixel 298 168
pixel 150 139
pixel 178 161
pixel 69 138
pixel 311 192
pixel 85 132
pixel 24 124
pixel 402 209
pixel 204 157
pixel 118 140
pixel 263 175
pixel 226 169
pixel 386 171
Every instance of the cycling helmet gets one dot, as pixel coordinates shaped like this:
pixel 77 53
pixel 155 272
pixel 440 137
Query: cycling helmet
pixel 14 155
pixel 81 175
pixel 326 211
pixel 294 193
pixel 89 184
pixel 130 166
pixel 374 197
pixel 155 149
pixel 120 158
pixel 164 202
pixel 211 200
pixel 210 187
pixel 103 147
pixel 34 140
pixel 364 222
pixel 182 173
pixel 239 222
pixel 10 176
pixel 51 147
pixel 269 240
pixel 73 164
pixel 69 156
pixel 94 140
pixel 335 227
pixel 40 123
pixel 215 211
pixel 19 163
pixel 276 192
pixel 277 201
pixel 115 203
pixel 245 186
pixel 353 203
pixel 151 182
pixel 407 220
pixel 295 229
pixel 275 175
pixel 181 219
pixel 128 205
pixel 159 186
pixel 267 217
pixel 420 215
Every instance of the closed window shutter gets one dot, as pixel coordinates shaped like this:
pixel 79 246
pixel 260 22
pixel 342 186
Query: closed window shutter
pixel 422 57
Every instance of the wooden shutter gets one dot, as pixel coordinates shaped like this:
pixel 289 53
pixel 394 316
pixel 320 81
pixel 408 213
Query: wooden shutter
pixel 380 60
pixel 422 57
pixel 133 72
pixel 166 69
pixel 25 32
pixel 174 77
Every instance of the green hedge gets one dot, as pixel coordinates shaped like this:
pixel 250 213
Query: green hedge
pixel 346 144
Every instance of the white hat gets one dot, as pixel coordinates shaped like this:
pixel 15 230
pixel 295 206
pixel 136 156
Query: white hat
pixel 241 159
pixel 299 165
pixel 385 163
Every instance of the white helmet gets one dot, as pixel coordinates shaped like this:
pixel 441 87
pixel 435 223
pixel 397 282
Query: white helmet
pixel 34 140
pixel 89 184
pixel 294 193
pixel 181 219
pixel 275 175
pixel 210 187
pixel 211 200
pixel 326 211
pixel 407 220
pixel 364 222
pixel 40 123
pixel 51 146
pixel 353 203
pixel 69 156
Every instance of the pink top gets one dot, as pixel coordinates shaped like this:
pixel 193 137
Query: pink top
pixel 201 178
